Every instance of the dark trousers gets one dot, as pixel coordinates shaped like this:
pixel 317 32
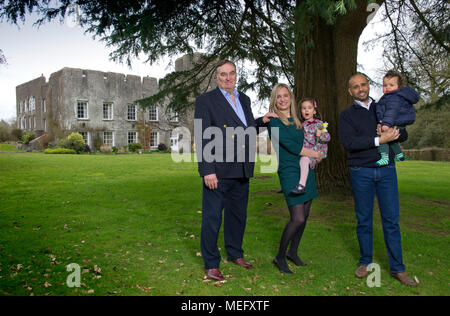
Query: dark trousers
pixel 232 197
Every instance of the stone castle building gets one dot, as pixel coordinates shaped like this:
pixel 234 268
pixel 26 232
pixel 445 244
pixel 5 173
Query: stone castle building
pixel 100 106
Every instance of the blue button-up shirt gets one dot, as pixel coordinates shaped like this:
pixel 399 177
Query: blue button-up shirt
pixel 238 108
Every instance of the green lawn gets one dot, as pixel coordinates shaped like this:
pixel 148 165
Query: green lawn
pixel 132 223
pixel 8 148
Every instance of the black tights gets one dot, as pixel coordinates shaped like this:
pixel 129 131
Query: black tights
pixel 294 230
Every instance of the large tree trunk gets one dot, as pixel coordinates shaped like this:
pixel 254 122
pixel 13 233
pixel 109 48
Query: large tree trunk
pixel 322 72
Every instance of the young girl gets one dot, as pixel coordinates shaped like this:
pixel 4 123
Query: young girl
pixel 316 137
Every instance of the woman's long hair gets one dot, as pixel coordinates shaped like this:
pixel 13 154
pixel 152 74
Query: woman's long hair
pixel 273 106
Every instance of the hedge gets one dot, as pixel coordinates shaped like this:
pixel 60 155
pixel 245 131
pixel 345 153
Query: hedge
pixel 59 151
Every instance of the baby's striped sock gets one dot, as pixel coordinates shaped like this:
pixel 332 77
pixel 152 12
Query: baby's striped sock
pixel 399 157
pixel 383 161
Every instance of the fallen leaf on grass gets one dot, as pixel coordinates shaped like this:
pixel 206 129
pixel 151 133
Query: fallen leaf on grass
pixel 143 288
pixel 97 270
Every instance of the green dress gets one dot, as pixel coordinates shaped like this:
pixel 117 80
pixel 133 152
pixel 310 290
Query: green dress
pixel 290 140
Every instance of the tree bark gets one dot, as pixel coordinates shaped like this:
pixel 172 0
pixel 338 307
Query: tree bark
pixel 322 71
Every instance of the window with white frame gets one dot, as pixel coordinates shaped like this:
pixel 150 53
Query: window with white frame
pixel 154 139
pixel 108 139
pixel 32 104
pixel 85 137
pixel 82 109
pixel 131 113
pixel 173 115
pixel 132 137
pixel 153 113
pixel 107 111
pixel 44 106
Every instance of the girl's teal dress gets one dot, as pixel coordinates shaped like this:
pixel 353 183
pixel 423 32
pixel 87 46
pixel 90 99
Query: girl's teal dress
pixel 290 140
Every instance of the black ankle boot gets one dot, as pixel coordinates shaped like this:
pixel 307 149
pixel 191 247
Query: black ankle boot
pixel 296 260
pixel 282 265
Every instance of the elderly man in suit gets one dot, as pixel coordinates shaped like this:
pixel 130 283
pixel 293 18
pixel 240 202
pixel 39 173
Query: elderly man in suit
pixel 227 170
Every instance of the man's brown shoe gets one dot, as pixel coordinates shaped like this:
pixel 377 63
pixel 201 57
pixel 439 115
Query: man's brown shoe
pixel 361 272
pixel 214 274
pixel 404 279
pixel 241 262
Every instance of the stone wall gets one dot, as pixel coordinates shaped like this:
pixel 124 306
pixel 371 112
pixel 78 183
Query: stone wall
pixel 29 118
pixel 66 87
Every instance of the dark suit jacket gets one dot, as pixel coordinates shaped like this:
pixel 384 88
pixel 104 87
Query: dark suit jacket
pixel 232 157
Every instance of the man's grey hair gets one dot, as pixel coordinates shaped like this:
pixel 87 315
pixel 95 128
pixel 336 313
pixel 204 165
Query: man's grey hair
pixel 223 62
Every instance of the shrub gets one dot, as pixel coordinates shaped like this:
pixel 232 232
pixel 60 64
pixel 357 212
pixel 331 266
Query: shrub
pixel 4 132
pixel 16 133
pixel 162 147
pixel 133 147
pixel 430 129
pixel 74 141
pixel 53 145
pixel 27 137
pixel 115 149
pixel 105 149
pixel 59 151
pixel 124 150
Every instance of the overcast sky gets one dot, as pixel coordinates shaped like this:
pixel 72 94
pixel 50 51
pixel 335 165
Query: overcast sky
pixel 31 52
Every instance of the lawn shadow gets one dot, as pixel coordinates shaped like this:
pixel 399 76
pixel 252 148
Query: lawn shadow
pixel 337 212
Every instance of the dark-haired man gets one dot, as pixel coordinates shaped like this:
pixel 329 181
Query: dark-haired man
pixel 358 133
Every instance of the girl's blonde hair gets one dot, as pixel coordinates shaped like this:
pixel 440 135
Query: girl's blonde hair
pixel 273 106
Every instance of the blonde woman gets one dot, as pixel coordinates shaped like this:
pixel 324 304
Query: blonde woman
pixel 287 137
